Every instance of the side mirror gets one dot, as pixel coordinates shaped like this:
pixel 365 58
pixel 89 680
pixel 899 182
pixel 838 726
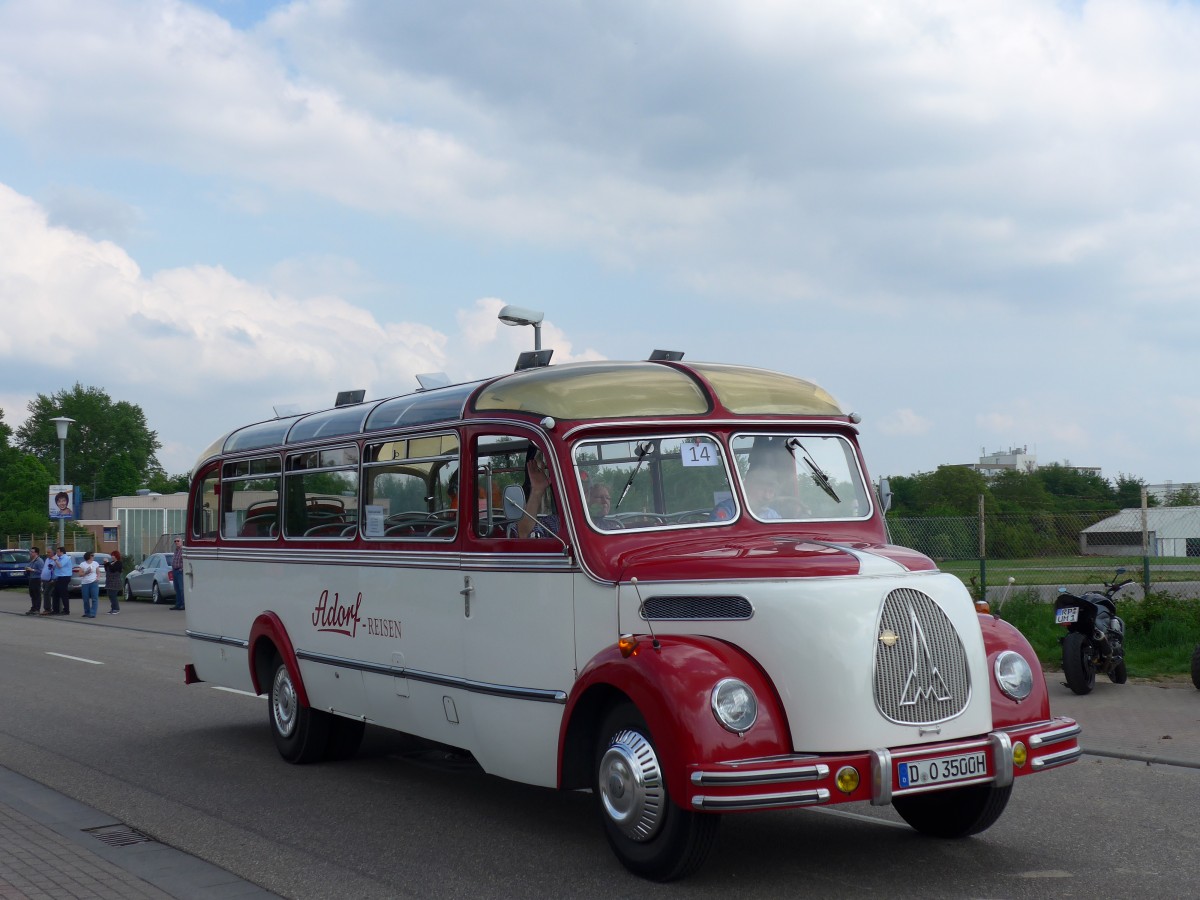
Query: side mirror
pixel 514 502
pixel 885 494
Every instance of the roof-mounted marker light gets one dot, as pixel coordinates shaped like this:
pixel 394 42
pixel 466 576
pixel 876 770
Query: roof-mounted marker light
pixel 670 355
pixel 349 398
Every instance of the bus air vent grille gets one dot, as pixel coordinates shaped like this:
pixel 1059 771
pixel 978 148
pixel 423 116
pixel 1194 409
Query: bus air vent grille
pixel 697 608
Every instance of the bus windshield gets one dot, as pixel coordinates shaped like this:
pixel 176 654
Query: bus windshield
pixel 653 481
pixel 800 477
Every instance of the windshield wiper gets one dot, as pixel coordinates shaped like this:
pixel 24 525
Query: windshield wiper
pixel 818 476
pixel 643 449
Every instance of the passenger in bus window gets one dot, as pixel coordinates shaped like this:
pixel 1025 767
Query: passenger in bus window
pixel 761 487
pixel 599 497
pixel 531 524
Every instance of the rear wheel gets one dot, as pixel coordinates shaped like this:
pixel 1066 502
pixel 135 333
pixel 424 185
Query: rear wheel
pixel 956 813
pixel 1077 663
pixel 155 594
pixel 301 733
pixel 650 834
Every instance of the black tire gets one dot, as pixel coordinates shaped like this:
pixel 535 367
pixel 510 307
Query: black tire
pixel 155 593
pixel 651 835
pixel 301 733
pixel 954 813
pixel 128 593
pixel 1196 667
pixel 1119 674
pixel 345 737
pixel 1078 666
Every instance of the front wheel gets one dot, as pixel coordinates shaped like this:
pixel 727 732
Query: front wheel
pixel 128 593
pixel 650 834
pixel 955 813
pixel 1196 667
pixel 301 733
pixel 1078 666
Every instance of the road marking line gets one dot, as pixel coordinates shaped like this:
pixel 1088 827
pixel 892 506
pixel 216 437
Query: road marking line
pixel 93 662
pixel 857 816
pixel 243 693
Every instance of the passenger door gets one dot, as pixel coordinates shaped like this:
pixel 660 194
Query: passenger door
pixel 517 615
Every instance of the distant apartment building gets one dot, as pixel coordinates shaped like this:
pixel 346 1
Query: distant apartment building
pixel 1018 459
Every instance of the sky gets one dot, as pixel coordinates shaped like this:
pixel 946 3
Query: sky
pixel 975 223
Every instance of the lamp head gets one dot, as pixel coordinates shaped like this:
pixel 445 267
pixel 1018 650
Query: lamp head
pixel 519 315
pixel 61 424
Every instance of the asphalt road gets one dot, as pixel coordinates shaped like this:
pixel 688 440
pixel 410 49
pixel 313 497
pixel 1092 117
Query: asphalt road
pixel 98 710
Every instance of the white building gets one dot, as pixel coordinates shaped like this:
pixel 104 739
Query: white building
pixel 1172 531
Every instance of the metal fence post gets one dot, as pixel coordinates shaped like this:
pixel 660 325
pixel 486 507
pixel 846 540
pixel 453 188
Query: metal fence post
pixel 1145 543
pixel 982 553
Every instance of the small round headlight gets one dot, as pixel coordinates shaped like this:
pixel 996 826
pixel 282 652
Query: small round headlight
pixel 734 705
pixel 1013 675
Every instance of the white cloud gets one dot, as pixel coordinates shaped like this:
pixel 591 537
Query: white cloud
pixel 904 423
pixel 203 351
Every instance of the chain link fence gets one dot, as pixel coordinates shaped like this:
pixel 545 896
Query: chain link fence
pixel 996 554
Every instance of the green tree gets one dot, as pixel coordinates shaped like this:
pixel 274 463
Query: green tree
pixel 949 491
pixel 1128 492
pixel 102 432
pixel 1185 496
pixel 23 485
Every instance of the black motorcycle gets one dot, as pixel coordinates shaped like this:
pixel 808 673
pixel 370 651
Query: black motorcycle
pixel 1196 667
pixel 1095 638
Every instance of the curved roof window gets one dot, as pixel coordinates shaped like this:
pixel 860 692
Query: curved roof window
pixel 329 423
pixel 597 390
pixel 439 405
pixel 747 391
pixel 264 434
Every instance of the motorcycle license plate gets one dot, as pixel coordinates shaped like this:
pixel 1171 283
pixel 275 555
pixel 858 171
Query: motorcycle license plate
pixel 1067 615
pixel 942 770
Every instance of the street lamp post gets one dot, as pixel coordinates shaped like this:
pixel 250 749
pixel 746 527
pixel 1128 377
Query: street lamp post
pixel 62 423
pixel 519 315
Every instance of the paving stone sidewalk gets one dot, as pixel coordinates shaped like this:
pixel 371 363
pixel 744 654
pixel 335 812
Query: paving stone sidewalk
pixel 54 847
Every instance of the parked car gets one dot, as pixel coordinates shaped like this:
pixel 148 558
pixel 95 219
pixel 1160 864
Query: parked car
pixel 151 579
pixel 77 560
pixel 12 567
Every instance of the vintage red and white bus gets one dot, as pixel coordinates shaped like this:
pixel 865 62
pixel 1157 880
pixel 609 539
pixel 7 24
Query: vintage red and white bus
pixel 704 615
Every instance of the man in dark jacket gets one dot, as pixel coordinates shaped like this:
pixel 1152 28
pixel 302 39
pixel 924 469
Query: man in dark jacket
pixel 34 571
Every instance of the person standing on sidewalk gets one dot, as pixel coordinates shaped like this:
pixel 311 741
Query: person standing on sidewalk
pixel 89 584
pixel 62 582
pixel 177 574
pixel 34 573
pixel 47 584
pixel 113 569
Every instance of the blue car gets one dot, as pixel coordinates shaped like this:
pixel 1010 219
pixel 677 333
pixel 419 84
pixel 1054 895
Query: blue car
pixel 12 567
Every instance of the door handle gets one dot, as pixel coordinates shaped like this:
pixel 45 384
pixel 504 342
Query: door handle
pixel 467 591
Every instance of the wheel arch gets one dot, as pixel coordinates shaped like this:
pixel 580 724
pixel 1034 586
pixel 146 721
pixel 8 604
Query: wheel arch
pixel 268 637
pixel 671 685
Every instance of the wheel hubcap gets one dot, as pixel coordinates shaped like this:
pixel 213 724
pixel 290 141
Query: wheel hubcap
pixel 283 702
pixel 631 788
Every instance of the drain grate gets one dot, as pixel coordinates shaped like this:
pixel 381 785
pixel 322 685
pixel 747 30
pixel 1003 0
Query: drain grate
pixel 118 835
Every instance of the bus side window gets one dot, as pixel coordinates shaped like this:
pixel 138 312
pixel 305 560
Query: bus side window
pixel 500 463
pixel 321 494
pixel 412 482
pixel 250 498
pixel 204 515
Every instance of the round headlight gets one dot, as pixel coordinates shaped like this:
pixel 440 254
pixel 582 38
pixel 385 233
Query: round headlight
pixel 734 705
pixel 1013 675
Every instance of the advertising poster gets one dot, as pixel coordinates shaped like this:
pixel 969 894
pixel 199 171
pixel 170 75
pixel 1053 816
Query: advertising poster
pixel 60 501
